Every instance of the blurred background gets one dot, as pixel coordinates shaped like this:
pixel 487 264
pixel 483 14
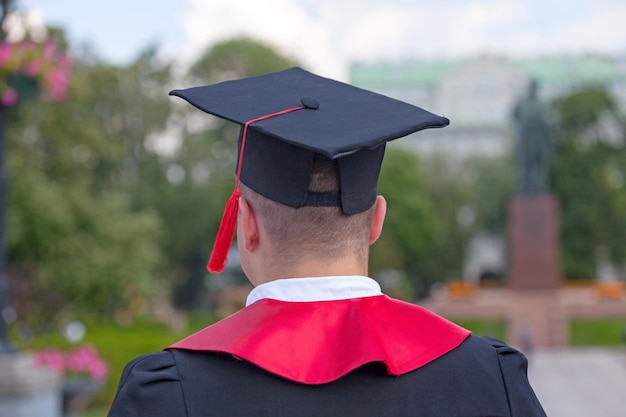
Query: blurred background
pixel 112 191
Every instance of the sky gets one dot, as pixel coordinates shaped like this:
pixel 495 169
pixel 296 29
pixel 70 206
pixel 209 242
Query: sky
pixel 326 36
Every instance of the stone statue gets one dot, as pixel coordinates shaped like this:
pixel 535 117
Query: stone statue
pixel 534 123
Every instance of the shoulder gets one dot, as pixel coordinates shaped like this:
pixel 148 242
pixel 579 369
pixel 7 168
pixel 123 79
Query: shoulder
pixel 494 350
pixel 160 365
pixel 506 354
pixel 149 385
pixel 513 366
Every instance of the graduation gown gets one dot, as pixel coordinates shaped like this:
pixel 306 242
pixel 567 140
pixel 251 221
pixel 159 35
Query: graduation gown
pixel 366 356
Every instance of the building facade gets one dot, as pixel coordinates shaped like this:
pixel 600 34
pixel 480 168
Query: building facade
pixel 478 94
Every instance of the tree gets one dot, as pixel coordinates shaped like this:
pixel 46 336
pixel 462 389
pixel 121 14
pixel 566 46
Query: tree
pixel 492 182
pixel 588 177
pixel 238 58
pixel 413 229
pixel 77 245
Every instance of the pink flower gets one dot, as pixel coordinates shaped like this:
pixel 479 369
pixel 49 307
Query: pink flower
pixel 34 68
pixel 51 50
pixel 56 84
pixel 50 358
pixel 98 370
pixel 84 359
pixel 5 53
pixel 9 97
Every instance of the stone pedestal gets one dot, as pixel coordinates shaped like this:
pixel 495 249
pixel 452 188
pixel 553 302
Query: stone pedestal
pixel 26 390
pixel 534 243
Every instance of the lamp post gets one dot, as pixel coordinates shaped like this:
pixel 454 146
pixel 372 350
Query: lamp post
pixel 5 345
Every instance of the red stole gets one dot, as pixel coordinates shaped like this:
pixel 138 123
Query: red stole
pixel 320 341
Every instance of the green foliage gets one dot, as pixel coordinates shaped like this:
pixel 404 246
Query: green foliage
pixel 79 253
pixel 190 211
pixel 412 228
pixel 238 58
pixel 450 191
pixel 582 109
pixel 492 182
pixel 589 173
pixel 593 211
pixel 76 244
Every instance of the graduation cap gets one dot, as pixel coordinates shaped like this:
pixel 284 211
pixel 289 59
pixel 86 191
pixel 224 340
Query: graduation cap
pixel 287 118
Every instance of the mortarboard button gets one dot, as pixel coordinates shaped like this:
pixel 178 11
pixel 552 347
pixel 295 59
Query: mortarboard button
pixel 310 103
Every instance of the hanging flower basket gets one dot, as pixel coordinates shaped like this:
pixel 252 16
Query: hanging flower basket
pixel 28 68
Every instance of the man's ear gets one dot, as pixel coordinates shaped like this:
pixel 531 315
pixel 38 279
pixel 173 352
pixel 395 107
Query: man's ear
pixel 249 225
pixel 378 218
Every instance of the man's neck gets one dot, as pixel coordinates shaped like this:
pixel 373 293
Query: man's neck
pixel 314 268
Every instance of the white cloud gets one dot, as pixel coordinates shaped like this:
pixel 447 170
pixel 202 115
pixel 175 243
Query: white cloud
pixel 478 25
pixel 603 31
pixel 383 30
pixel 327 35
pixel 284 24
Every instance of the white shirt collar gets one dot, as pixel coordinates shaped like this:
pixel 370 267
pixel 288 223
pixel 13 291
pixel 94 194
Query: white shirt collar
pixel 315 289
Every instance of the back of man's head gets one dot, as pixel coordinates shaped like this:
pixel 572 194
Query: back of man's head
pixel 305 233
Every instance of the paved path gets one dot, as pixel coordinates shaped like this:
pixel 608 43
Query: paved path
pixel 581 382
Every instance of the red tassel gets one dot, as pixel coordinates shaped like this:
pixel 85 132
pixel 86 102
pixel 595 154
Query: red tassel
pixel 225 234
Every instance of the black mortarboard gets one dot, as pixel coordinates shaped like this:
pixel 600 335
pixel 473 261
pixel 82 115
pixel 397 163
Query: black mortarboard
pixel 289 116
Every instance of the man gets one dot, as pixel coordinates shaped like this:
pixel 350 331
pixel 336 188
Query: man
pixel 317 337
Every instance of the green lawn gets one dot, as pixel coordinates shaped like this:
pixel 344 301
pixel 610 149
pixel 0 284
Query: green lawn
pixel 598 332
pixel 605 332
pixel 97 411
pixel 494 328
